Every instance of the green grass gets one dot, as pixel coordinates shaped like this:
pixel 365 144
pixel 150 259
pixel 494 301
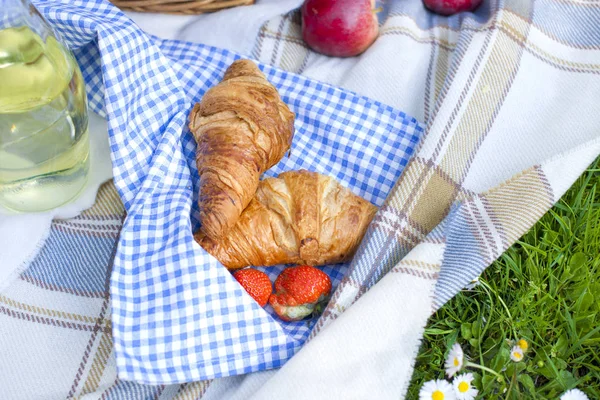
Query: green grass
pixel 546 289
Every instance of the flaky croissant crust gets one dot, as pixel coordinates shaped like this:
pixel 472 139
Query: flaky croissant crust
pixel 242 128
pixel 300 217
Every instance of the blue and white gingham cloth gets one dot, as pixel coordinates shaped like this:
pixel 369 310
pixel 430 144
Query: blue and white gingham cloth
pixel 178 315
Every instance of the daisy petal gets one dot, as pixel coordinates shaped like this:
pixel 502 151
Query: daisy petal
pixel 574 394
pixel 463 387
pixel 455 360
pixel 437 389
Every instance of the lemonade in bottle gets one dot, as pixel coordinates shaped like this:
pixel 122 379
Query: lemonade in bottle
pixel 44 144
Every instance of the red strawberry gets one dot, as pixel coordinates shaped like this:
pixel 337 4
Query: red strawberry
pixel 256 283
pixel 298 290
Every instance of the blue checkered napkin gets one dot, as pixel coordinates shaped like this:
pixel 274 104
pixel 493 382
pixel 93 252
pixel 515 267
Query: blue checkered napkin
pixel 178 315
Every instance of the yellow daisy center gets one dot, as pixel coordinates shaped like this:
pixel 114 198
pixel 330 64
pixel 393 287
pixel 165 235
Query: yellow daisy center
pixel 517 355
pixel 456 362
pixel 523 344
pixel 463 387
pixel 437 395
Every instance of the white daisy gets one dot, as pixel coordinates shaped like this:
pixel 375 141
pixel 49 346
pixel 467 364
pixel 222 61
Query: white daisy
pixel 436 390
pixel 516 354
pixel 463 388
pixel 523 344
pixel 455 360
pixel 574 394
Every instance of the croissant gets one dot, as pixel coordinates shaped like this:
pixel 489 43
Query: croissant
pixel 300 217
pixel 242 128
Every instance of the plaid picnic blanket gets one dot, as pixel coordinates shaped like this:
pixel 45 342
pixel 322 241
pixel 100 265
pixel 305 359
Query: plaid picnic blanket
pixel 500 147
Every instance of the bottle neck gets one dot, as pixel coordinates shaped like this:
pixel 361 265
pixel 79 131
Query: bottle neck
pixel 18 13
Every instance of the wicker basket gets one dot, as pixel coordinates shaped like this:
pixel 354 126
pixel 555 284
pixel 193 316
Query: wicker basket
pixel 179 6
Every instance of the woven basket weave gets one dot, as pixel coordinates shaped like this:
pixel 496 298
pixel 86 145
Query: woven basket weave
pixel 178 6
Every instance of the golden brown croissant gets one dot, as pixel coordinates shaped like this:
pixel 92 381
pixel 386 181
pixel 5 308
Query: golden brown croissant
pixel 242 128
pixel 300 217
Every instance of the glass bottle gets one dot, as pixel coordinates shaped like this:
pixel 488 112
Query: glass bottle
pixel 44 144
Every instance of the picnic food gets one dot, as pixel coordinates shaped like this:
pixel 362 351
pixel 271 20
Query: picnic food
pixel 339 28
pixel 256 283
pixel 300 217
pixel 449 7
pixel 298 290
pixel 242 128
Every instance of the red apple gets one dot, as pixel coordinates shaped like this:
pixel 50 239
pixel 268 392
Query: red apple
pixel 339 28
pixel 449 7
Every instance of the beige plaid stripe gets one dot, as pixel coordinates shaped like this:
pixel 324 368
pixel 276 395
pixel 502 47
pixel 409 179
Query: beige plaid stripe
pixel 281 40
pixel 96 338
pixel 191 391
pixel 46 312
pixel 96 370
pixel 501 202
pixel 489 93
